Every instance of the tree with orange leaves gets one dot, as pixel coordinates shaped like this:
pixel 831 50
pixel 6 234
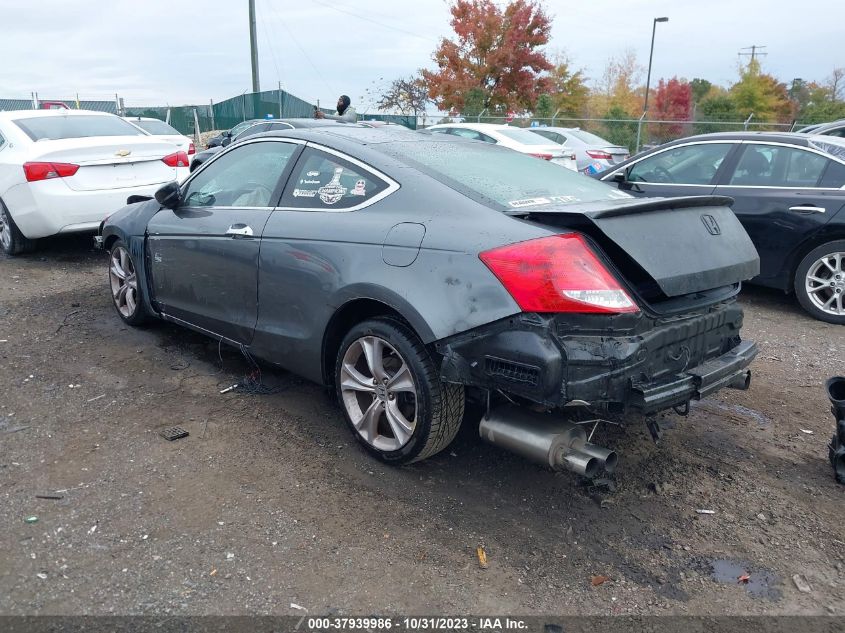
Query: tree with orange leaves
pixel 497 51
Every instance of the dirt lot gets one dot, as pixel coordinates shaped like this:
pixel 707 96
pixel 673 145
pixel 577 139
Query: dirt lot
pixel 270 501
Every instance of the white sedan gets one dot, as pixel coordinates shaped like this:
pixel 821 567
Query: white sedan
pixel 515 138
pixel 64 171
pixel 164 132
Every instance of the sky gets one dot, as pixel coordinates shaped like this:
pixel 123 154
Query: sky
pixel 176 52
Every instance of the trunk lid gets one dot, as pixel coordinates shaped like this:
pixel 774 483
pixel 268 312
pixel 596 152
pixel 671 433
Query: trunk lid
pixel 664 247
pixel 109 162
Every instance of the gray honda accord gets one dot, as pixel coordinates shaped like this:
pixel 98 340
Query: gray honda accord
pixel 411 273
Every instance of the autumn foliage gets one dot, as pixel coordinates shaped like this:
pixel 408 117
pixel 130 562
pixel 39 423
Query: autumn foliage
pixel 496 53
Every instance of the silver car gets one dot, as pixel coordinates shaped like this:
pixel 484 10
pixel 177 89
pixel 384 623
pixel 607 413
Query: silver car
pixel 593 153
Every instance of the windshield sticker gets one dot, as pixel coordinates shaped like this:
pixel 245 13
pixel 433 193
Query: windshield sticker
pixel 527 202
pixel 304 193
pixel 305 181
pixel 334 191
pixel 360 188
pixel 313 173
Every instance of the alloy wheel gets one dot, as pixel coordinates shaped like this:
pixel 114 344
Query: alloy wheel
pixel 124 283
pixel 5 230
pixel 825 284
pixel 379 393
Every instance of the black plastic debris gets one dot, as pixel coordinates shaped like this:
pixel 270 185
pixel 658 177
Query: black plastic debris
pixel 836 450
pixel 174 433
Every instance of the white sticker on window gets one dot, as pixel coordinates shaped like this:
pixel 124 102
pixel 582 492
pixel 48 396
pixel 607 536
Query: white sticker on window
pixel 333 191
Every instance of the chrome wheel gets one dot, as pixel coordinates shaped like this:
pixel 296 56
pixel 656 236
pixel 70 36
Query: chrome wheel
pixel 379 393
pixel 5 230
pixel 825 284
pixel 124 283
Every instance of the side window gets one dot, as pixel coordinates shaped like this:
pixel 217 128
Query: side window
pixel 465 133
pixel 441 130
pixel 324 181
pixel 687 165
pixel 247 176
pixel 486 139
pixel 840 132
pixel 280 126
pixel 252 130
pixel 778 166
pixel 834 175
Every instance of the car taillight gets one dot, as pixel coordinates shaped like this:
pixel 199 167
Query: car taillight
pixel 191 149
pixel 573 157
pixel 176 159
pixel 542 155
pixel 557 274
pixel 45 171
pixel 598 154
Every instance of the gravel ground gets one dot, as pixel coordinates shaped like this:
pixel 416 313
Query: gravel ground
pixel 270 501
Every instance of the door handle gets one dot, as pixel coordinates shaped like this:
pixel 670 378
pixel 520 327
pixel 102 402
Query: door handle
pixel 807 209
pixel 239 230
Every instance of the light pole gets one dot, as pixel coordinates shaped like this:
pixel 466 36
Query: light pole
pixel 647 80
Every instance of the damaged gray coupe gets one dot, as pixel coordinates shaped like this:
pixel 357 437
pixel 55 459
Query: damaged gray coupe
pixel 411 273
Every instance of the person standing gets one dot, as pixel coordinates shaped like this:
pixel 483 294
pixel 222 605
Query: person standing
pixel 345 112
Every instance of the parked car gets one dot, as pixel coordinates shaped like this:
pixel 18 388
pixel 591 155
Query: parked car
pixel 63 171
pixel 834 128
pixel 354 258
pixel 514 138
pixel 163 131
pixel 224 138
pixel 260 128
pixel 593 153
pixel 788 193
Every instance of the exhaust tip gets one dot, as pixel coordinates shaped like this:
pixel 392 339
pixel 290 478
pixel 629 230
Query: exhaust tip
pixel 610 462
pixel 742 381
pixel 580 463
pixel 836 390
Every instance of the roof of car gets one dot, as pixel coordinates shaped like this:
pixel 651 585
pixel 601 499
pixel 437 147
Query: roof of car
pixel 771 137
pixel 31 114
pixel 480 126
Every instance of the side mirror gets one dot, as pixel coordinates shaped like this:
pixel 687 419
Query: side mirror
pixel 619 177
pixel 169 196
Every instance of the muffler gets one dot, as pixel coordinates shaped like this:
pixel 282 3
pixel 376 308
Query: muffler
pixel 542 439
pixel 741 381
pixel 836 393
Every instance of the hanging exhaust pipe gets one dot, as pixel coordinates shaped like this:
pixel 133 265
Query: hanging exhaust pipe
pixel 542 439
pixel 741 381
pixel 836 393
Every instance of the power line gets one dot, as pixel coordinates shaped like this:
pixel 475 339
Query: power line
pixel 270 44
pixel 376 22
pixel 307 58
pixel 753 54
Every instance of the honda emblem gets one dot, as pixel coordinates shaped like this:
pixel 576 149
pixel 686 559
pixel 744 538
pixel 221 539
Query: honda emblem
pixel 711 225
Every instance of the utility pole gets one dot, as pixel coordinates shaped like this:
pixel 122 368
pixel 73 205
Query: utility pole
pixel 648 80
pixel 753 54
pixel 253 47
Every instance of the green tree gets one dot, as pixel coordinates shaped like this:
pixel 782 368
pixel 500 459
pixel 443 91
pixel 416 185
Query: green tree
pixel 567 88
pixel 545 107
pixel 700 88
pixel 473 103
pixel 717 106
pixel 620 132
pixel 761 94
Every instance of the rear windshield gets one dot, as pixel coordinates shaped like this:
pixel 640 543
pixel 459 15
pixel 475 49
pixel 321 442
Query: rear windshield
pixel 80 126
pixel 240 127
pixel 156 127
pixel 587 137
pixel 506 178
pixel 525 137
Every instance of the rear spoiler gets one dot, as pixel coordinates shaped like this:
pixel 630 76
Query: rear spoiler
pixel 616 208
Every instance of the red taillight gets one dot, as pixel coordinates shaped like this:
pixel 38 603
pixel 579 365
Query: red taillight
pixel 176 159
pixel 45 171
pixel 191 149
pixel 598 154
pixel 557 274
pixel 542 155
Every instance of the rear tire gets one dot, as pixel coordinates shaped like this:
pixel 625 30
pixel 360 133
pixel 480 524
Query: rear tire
pixel 127 293
pixel 391 394
pixel 820 282
pixel 12 241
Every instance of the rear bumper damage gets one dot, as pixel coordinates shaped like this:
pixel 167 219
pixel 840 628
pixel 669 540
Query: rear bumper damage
pixel 620 363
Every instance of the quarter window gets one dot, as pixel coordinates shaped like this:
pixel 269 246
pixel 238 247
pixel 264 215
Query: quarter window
pixel 324 181
pixel 246 176
pixel 687 165
pixel 778 166
pixel 472 134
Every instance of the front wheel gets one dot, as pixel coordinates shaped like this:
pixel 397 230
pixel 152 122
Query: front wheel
pixel 820 282
pixel 127 293
pixel 391 393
